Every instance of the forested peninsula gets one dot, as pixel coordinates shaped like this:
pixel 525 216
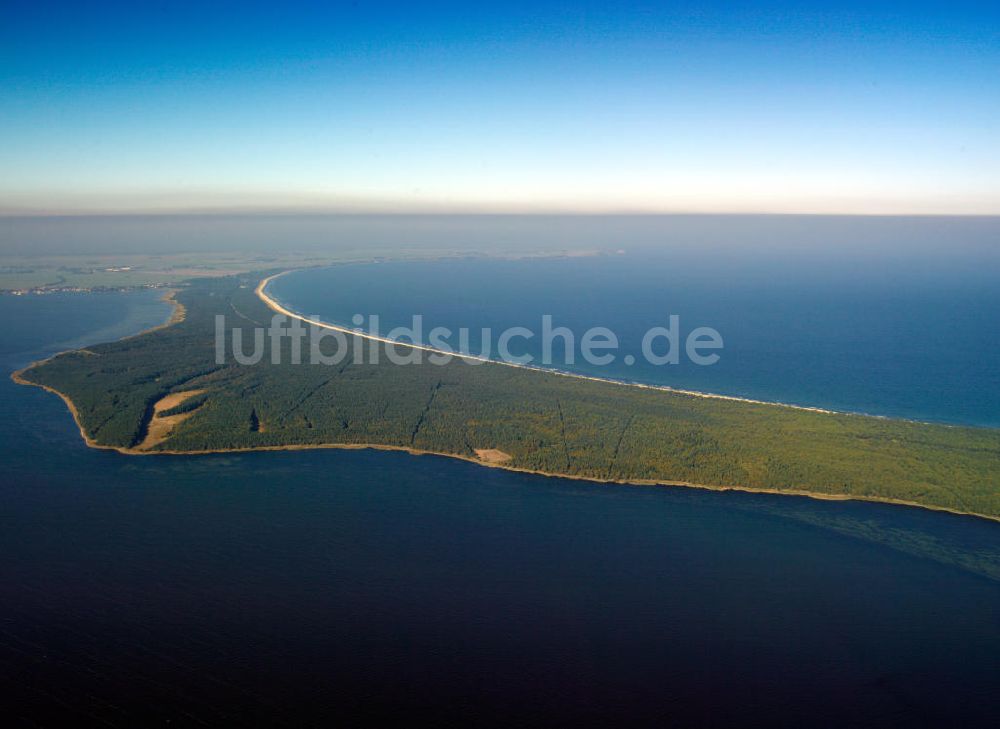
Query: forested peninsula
pixel 164 392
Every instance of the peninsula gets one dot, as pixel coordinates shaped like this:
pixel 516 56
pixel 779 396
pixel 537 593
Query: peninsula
pixel 163 392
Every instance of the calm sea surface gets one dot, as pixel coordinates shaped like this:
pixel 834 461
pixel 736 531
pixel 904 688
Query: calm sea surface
pixel 290 587
pixel 882 331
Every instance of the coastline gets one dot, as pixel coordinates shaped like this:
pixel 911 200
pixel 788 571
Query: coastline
pixel 279 308
pixel 487 464
pixel 178 313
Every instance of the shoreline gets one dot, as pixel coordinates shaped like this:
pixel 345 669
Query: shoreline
pixel 279 308
pixel 178 313
pixel 645 483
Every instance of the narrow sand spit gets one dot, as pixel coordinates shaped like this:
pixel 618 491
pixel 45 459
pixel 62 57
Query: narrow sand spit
pixel 275 306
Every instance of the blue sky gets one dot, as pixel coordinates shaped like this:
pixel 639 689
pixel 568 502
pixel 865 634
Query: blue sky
pixel 701 107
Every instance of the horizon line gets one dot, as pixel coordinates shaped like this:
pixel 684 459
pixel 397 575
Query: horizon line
pixel 460 211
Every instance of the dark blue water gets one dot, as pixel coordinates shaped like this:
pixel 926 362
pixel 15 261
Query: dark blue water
pixel 888 331
pixel 289 588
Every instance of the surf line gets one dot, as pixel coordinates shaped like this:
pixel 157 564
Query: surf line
pixel 276 306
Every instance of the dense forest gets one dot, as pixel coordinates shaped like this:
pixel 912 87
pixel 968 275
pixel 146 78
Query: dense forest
pixel 544 422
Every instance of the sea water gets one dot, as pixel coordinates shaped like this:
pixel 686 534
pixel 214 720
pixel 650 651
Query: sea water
pixel 911 336
pixel 309 585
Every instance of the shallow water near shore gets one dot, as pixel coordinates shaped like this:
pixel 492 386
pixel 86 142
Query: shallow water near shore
pixel 288 586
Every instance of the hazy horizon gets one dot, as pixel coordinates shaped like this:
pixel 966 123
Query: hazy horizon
pixel 947 240
pixel 864 108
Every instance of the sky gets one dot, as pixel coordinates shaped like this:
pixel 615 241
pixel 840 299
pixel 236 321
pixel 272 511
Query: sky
pixel 868 107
